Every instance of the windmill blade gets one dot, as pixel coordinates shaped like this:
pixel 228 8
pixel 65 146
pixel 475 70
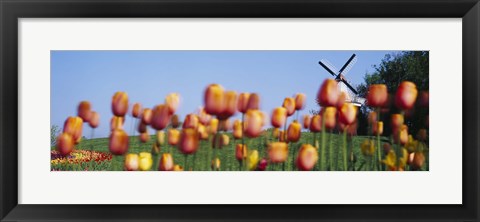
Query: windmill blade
pixel 348 63
pixel 349 66
pixel 349 86
pixel 329 67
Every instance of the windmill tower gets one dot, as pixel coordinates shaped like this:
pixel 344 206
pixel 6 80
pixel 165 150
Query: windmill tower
pixel 343 84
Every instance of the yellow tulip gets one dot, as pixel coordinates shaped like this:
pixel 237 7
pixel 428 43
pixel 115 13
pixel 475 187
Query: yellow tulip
pixel 213 126
pixel 216 164
pixel 378 128
pixel 145 161
pixel 368 147
pixel 131 162
pixel 172 101
pixel 252 160
pixel 160 136
pixel 173 137
pixel 237 129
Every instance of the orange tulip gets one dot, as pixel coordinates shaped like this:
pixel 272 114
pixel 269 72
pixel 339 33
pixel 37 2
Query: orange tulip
pixel 377 95
pixel 342 98
pixel 294 131
pixel 253 102
pixel 174 121
pixel 406 95
pixel 202 132
pixel 147 116
pixel 378 128
pixel 372 117
pixel 144 137
pixel 242 104
pixel 160 117
pixel 173 137
pixel 191 121
pixel 213 99
pixel 213 126
pixel 94 120
pixel 177 168
pixel 316 124
pixel 424 99
pixel 300 101
pixel 328 93
pixel 397 121
pixel 241 152
pixel 306 121
pixel 216 164
pixel 84 111
pixel 401 135
pixel 118 142
pixel 142 127
pixel 278 152
pixel 73 126
pixel 131 162
pixel 116 123
pixel 204 117
pixel 307 157
pixel 136 110
pixel 229 105
pixel 172 101
pixel 65 144
pixel 330 116
pixel 253 123
pixel 289 104
pixel 120 104
pixel 188 143
pixel 237 129
pixel 279 116
pixel 166 162
pixel 347 114
pixel 418 160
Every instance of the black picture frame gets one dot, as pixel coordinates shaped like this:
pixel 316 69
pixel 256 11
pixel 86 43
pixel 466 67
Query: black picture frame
pixel 11 11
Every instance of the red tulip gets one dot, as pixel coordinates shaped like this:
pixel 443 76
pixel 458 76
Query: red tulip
pixel 397 121
pixel 241 152
pixel 166 162
pixel 316 124
pixel 406 95
pixel 262 165
pixel 94 120
pixel 307 157
pixel 147 116
pixel 229 105
pixel 84 111
pixel 172 101
pixel 424 99
pixel 294 131
pixel 289 104
pixel 144 137
pixel 347 114
pixel 279 116
pixel 142 127
pixel 188 141
pixel 328 93
pixel 300 101
pixel 118 142
pixel 253 102
pixel 73 126
pixel 175 123
pixel 306 121
pixel 213 99
pixel 342 98
pixel 191 121
pixel 120 104
pixel 136 110
pixel 65 144
pixel 160 117
pixel 377 95
pixel 242 104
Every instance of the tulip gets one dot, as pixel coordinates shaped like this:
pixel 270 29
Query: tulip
pixel 131 162
pixel 262 165
pixel 316 123
pixel 215 164
pixel 386 148
pixel 65 144
pixel 120 104
pixel 166 162
pixel 279 116
pixel 172 101
pixel 368 147
pixel 424 99
pixel 422 135
pixel 306 121
pixel 144 137
pixel 378 128
pixel 342 98
pixel 73 126
pixel 116 123
pixel 377 95
pixel 276 133
pixel 191 121
pixel 252 160
pixel 145 161
pixel 253 123
pixel 213 99
pixel 294 131
pixel 396 121
pixel 347 114
pixel 253 102
pixel 155 148
pixel 307 157
pixel 237 129
pixel 406 95
pixel 173 137
pixel 418 160
pixel 328 93
pixel 175 122
pixel 401 135
pixel 225 125
pixel 188 143
pixel 213 126
pixel 330 117
pixel 289 104
pixel 136 110
pixel 390 160
pixel 241 152
pixel 278 152
pixel 147 116
pixel 300 101
pixel 217 141
pixel 202 132
pixel 282 136
pixel 177 168
pixel 242 104
pixel 118 142
pixel 94 120
pixel 225 140
pixel 142 127
pixel 84 111
pixel 372 117
pixel 204 117
pixel 160 117
pixel 229 105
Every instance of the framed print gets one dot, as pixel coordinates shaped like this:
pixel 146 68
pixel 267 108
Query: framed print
pixel 225 110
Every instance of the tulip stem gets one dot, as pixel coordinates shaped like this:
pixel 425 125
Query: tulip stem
pixel 345 148
pixel 322 156
pixel 185 162
pixel 330 151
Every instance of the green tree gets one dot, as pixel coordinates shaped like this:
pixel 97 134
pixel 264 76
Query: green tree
pixel 54 130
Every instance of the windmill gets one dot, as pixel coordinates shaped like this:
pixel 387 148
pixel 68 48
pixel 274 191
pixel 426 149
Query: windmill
pixel 343 84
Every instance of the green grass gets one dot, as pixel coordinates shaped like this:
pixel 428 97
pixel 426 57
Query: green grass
pixel 201 160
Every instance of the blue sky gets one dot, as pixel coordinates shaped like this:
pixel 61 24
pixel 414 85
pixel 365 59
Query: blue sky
pixel 148 76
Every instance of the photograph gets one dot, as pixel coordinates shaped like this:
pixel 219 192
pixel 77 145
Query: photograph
pixel 239 110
